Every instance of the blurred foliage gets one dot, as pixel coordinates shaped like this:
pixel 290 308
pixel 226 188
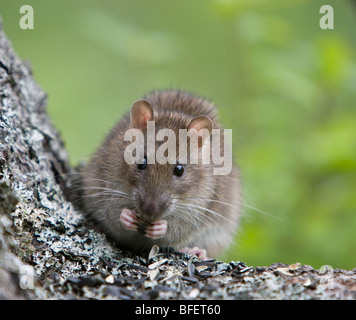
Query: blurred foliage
pixel 286 87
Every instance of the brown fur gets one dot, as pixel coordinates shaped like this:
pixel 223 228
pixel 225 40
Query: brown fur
pixel 198 185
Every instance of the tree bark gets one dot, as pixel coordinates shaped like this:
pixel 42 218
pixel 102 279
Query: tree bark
pixel 48 250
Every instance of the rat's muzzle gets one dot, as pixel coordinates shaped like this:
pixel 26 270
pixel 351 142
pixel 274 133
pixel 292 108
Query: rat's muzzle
pixel 152 205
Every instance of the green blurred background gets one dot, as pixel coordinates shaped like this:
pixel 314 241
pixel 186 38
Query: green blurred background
pixel 286 87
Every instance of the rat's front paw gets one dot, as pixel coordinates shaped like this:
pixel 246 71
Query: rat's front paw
pixel 128 219
pixel 157 229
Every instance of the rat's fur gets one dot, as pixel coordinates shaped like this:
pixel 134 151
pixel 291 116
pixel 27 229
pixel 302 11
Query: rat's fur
pixel 201 209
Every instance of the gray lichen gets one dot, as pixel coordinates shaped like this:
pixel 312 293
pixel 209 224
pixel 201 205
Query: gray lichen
pixel 48 250
pixel 39 227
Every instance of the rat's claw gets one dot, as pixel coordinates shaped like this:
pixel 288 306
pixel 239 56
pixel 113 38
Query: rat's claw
pixel 157 229
pixel 200 253
pixel 128 219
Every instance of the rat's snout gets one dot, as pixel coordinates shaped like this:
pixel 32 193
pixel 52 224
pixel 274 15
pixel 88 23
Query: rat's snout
pixel 153 205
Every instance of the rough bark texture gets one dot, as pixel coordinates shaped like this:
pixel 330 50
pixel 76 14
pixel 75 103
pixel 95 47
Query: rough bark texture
pixel 47 249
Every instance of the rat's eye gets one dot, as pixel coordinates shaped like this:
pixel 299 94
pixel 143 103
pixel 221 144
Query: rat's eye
pixel 142 164
pixel 178 170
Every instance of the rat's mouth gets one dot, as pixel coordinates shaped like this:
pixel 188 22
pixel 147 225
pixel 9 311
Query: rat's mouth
pixel 145 220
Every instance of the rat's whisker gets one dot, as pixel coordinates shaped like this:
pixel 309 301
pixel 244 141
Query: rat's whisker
pixel 108 194
pixel 194 218
pixel 81 175
pixel 94 179
pixel 247 206
pixel 101 188
pixel 192 209
pixel 84 180
pixel 217 214
pixel 107 197
pixel 197 214
pixel 233 204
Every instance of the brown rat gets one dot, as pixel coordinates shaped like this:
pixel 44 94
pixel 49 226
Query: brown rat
pixel 170 205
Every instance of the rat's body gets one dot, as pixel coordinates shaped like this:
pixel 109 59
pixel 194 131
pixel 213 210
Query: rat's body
pixel 170 205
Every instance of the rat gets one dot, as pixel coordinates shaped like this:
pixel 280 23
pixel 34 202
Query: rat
pixel 184 206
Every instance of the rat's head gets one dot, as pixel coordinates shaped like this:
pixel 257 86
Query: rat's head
pixel 168 170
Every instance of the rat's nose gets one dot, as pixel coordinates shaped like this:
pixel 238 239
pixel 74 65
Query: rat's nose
pixel 152 205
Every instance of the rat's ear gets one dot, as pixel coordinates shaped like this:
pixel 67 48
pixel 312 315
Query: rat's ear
pixel 141 112
pixel 199 123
